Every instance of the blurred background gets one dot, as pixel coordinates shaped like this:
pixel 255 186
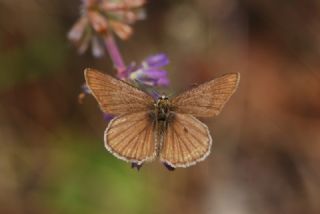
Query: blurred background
pixel 266 142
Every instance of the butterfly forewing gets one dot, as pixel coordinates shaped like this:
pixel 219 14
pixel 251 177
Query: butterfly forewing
pixel 186 141
pixel 115 96
pixel 130 137
pixel 207 99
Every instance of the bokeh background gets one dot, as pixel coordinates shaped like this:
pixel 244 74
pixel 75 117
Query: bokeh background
pixel 266 149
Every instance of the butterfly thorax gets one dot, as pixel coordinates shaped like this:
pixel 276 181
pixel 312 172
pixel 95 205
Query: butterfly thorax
pixel 162 108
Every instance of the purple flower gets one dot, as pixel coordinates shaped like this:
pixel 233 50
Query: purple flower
pixel 107 117
pixel 158 60
pixel 85 89
pixel 151 72
pixel 100 18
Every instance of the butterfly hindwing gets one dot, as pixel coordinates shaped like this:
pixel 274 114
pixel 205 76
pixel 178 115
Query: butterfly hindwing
pixel 186 141
pixel 131 137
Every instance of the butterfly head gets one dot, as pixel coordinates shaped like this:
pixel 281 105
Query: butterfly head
pixel 163 101
pixel 163 97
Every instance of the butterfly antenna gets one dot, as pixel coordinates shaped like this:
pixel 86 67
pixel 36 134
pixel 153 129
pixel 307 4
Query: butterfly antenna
pixel 172 94
pixel 140 84
pixel 146 88
pixel 155 93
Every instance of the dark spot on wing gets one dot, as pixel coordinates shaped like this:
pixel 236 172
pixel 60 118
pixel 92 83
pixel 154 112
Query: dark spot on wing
pixel 185 130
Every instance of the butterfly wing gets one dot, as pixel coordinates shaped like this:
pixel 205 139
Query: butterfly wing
pixel 207 99
pixel 186 141
pixel 115 96
pixel 130 137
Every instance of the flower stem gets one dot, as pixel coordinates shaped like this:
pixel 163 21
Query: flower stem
pixel 115 55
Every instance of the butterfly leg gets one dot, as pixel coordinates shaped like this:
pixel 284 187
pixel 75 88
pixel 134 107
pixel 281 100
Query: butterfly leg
pixel 168 167
pixel 136 165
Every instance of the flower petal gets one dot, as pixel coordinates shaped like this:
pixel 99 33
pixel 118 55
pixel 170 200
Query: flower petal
pixel 89 3
pixel 107 117
pixel 76 32
pixel 85 89
pixel 141 14
pixel 163 82
pixel 124 31
pixel 134 3
pixel 154 73
pixel 124 5
pixel 98 22
pixel 157 60
pixel 84 43
pixel 97 49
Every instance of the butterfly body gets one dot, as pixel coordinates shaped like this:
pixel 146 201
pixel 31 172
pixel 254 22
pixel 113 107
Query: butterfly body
pixel 145 129
pixel 162 108
pixel 162 116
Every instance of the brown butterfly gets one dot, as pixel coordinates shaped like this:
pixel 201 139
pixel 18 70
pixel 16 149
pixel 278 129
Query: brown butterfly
pixel 145 128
